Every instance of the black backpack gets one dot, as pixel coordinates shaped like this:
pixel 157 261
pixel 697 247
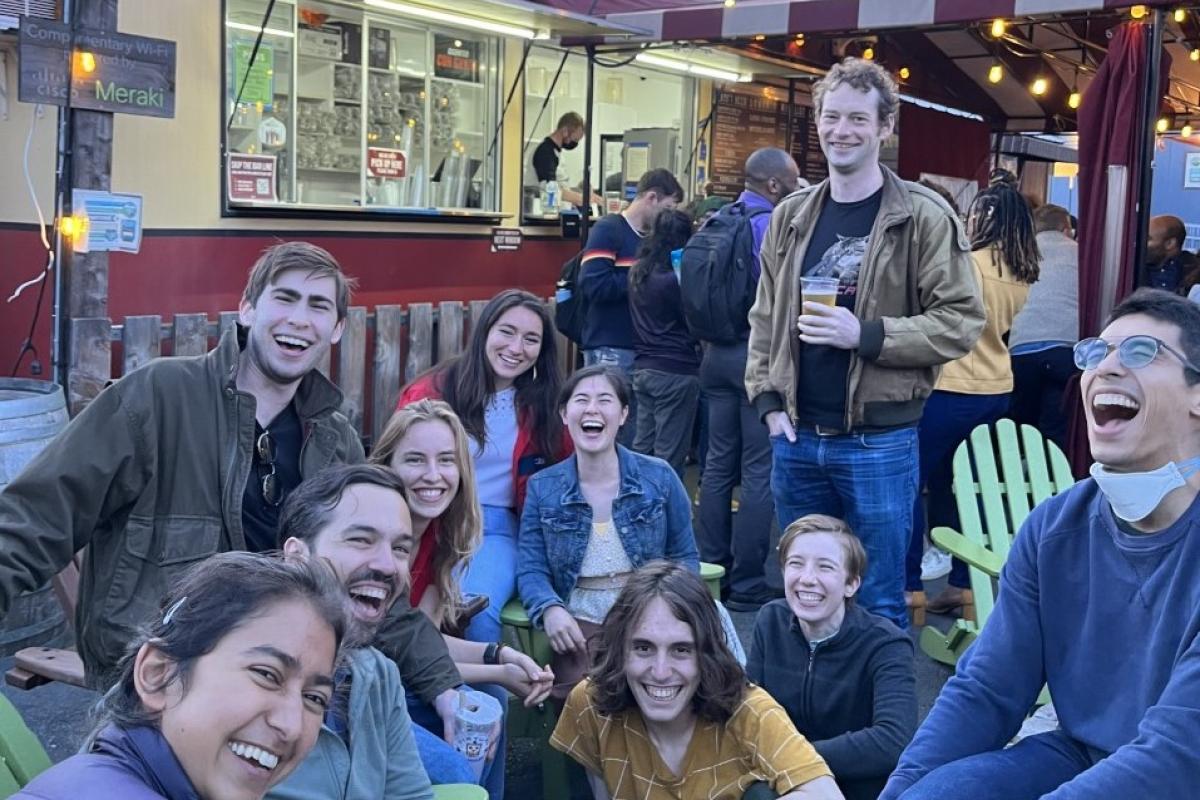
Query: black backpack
pixel 715 276
pixel 568 305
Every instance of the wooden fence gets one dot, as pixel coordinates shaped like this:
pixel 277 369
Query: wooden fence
pixel 406 341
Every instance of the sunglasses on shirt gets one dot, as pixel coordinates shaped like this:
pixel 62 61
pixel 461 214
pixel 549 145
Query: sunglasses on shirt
pixel 264 449
pixel 1134 352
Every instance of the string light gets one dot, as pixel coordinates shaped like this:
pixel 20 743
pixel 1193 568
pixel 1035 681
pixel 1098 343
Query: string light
pixel 904 73
pixel 1186 130
pixel 1162 125
pixel 1074 99
pixel 1180 15
pixel 759 37
pixel 1039 87
pixel 995 74
pixel 1194 55
pixel 869 53
pixel 87 62
pixel 1137 12
pixel 73 226
pixel 998 28
pixel 730 3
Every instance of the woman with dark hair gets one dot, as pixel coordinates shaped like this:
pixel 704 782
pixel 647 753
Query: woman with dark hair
pixel 593 519
pixel 222 695
pixel 666 711
pixel 976 388
pixel 503 388
pixel 844 675
pixel 666 357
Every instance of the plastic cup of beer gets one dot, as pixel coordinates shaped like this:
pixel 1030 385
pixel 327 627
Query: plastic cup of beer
pixel 819 290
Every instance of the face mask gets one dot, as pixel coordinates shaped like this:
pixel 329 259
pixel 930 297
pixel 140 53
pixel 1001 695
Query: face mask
pixel 1134 495
pixel 570 145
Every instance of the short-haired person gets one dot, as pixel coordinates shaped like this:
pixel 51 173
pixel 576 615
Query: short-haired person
pixel 1046 328
pixel 1168 265
pixel 425 444
pixel 567 135
pixel 504 389
pixel 666 359
pixel 666 712
pixel 185 457
pixel 844 675
pixel 1099 599
pixel 220 695
pixel 355 521
pixel 842 386
pixel 593 519
pixel 611 249
pixel 739 450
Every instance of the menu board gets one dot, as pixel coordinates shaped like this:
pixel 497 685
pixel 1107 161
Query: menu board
pixel 742 123
pixel 806 148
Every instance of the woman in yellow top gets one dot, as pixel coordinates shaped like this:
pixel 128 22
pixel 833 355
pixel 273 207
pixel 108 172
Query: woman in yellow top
pixel 976 388
pixel 667 712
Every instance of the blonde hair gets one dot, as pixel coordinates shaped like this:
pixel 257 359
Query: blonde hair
pixel 460 528
pixel 856 555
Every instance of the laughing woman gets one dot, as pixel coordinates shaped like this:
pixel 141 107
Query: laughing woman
pixel 244 642
pixel 503 388
pixel 593 519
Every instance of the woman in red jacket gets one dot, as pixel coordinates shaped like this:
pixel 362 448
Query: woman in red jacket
pixel 504 388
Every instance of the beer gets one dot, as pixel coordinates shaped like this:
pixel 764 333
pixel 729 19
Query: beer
pixel 819 290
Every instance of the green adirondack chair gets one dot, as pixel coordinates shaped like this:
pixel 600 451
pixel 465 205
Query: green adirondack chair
pixel 22 756
pixel 1030 470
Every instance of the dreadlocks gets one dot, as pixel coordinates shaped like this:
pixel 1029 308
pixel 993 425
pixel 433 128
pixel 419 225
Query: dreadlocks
pixel 1000 217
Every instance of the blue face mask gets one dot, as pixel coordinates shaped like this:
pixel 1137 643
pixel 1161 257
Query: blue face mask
pixel 1134 495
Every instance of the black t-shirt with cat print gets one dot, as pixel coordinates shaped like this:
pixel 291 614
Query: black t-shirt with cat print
pixel 836 250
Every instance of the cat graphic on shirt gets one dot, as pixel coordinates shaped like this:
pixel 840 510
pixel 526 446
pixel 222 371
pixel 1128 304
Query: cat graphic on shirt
pixel 842 261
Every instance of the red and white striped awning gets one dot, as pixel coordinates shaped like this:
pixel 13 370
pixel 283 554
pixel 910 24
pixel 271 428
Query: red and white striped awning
pixel 670 20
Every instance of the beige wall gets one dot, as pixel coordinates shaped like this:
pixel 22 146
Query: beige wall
pixel 175 163
pixel 15 203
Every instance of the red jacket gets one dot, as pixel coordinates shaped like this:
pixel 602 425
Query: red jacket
pixel 526 458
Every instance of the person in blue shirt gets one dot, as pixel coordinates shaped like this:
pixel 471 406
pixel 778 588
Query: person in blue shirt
pixel 1099 599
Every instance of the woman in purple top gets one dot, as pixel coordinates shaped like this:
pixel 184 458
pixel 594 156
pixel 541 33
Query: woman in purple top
pixel 222 695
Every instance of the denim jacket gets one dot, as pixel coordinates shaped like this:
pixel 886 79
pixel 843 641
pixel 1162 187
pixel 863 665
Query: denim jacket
pixel 651 513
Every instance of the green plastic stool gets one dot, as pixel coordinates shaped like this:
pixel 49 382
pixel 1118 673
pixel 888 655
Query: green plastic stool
pixel 711 574
pixel 22 753
pixel 459 791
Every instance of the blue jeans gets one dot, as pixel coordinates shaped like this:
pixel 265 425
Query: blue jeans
pixel 493 572
pixel 948 420
pixel 442 762
pixel 1029 769
pixel 622 359
pixel 867 479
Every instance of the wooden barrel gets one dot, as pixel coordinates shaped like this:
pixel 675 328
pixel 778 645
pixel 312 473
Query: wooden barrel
pixel 31 414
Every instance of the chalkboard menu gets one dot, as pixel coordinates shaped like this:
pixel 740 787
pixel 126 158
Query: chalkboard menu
pixel 742 123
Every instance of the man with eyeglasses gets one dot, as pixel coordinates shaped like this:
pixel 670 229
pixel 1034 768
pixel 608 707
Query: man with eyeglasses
pixel 185 457
pixel 1099 599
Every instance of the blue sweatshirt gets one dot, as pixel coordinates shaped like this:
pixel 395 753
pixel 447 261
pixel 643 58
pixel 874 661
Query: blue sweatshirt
pixel 612 248
pixel 1110 620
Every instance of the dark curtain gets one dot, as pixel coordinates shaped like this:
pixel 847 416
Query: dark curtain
pixel 1109 134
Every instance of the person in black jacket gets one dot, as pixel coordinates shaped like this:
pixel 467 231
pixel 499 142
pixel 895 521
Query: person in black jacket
pixel 844 675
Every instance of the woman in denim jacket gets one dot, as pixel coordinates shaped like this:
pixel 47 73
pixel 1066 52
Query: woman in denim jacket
pixel 593 519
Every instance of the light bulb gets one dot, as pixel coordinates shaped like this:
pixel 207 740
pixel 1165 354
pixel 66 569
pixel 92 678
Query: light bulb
pixel 1180 15
pixel 904 73
pixel 869 53
pixel 1186 131
pixel 1137 12
pixel 730 3
pixel 87 62
pixel 1074 99
pixel 998 27
pixel 995 73
pixel 1194 55
pixel 1162 125
pixel 1039 86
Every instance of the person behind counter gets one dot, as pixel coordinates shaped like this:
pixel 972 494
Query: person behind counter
pixel 567 135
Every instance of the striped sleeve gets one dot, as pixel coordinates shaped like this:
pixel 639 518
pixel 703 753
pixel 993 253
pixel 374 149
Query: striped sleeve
pixel 577 733
pixel 781 756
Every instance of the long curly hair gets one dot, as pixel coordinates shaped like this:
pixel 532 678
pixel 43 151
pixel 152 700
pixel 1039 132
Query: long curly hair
pixel 999 217
pixel 467 380
pixel 670 231
pixel 460 528
pixel 722 681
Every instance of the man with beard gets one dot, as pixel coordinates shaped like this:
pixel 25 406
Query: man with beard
pixel 184 457
pixel 355 519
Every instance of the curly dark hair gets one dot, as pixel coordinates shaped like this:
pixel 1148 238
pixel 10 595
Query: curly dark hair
pixel 999 217
pixel 722 681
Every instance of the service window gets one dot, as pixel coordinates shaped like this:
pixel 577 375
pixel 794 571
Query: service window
pixel 352 109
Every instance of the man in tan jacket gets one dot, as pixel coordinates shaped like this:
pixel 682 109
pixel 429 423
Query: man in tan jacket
pixel 841 387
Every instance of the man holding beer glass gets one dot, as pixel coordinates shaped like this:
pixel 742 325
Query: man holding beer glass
pixel 840 370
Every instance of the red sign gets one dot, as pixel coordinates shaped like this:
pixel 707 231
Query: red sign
pixel 251 178
pixel 383 162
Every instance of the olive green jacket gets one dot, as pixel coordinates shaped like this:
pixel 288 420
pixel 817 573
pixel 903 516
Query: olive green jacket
pixel 149 478
pixel 918 302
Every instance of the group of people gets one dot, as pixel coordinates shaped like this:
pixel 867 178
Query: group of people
pixel 268 612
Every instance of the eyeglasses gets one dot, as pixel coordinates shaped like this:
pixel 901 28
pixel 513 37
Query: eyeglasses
pixel 264 448
pixel 1134 352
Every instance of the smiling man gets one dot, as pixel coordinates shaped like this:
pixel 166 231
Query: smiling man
pixel 185 457
pixel 355 519
pixel 1099 599
pixel 842 384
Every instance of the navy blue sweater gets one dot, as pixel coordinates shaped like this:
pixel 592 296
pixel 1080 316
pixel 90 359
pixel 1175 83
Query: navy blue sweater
pixel 854 698
pixel 611 250
pixel 1111 620
pixel 661 339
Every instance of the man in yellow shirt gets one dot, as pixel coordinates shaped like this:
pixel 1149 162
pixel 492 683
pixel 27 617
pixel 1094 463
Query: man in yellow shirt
pixel 667 713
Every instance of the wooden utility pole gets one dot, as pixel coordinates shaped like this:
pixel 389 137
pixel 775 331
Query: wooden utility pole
pixel 83 305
